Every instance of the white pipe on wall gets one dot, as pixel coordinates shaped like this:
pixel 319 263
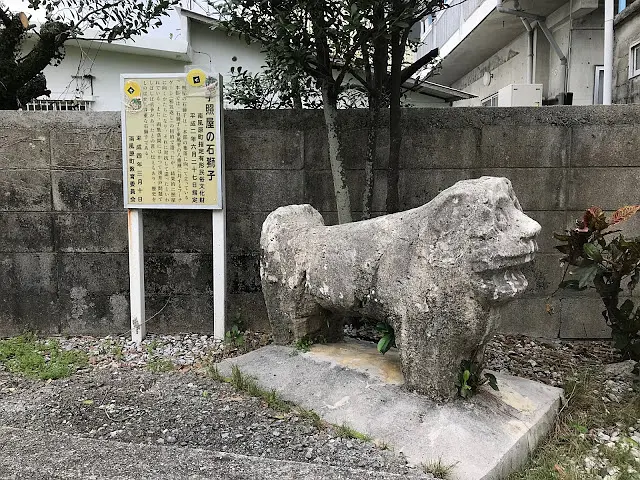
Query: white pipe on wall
pixel 607 85
pixel 529 28
pixel 547 33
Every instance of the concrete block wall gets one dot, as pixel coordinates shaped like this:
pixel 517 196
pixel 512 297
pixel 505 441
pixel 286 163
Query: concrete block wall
pixel 63 232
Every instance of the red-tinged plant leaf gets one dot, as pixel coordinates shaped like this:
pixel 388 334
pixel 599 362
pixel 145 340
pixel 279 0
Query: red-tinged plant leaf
pixel 593 219
pixel 561 472
pixel 595 211
pixel 623 213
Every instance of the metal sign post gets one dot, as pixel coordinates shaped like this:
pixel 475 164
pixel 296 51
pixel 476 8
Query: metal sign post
pixel 173 158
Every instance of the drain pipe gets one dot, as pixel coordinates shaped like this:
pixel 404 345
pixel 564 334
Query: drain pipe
pixel 607 85
pixel 547 33
pixel 556 47
pixel 527 25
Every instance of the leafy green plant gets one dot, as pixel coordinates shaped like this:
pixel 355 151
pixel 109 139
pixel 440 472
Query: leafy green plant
pixel 152 346
pixel 388 339
pixel 234 337
pixel 470 378
pixel 595 258
pixel 304 344
pixel 34 358
pixel 160 365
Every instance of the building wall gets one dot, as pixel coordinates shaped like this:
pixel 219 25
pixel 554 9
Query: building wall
pixel 509 65
pixel 582 45
pixel 221 48
pixel 63 248
pixel 627 32
pixel 106 67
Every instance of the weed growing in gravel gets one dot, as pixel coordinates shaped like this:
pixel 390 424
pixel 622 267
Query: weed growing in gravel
pixel 34 358
pixel 160 365
pixel 572 441
pixel 117 352
pixel 152 346
pixel 304 344
pixel 438 469
pixel 214 373
pixel 345 431
pixel 234 337
pixel 245 383
pixel 312 416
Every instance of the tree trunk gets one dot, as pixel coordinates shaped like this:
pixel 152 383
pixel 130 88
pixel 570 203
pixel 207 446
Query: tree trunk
pixel 340 187
pixel 372 144
pixel 295 92
pixel 395 130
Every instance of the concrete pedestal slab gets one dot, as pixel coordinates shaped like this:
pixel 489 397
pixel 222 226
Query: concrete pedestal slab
pixel 486 437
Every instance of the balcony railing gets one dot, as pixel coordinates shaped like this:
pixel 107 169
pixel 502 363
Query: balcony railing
pixel 447 23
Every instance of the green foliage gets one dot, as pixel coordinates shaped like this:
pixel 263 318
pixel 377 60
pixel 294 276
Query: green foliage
pixel 160 365
pixel 304 344
pixel 569 442
pixel 245 383
pixel 345 431
pixel 438 469
pixel 34 358
pixel 597 259
pixel 214 373
pixel 320 45
pixel 234 337
pixel 312 416
pixel 152 346
pixel 470 378
pixel 388 339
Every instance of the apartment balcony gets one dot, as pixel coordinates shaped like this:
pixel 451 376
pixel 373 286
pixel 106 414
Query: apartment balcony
pixel 471 31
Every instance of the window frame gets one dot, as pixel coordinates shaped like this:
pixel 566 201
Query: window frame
pixel 634 70
pixel 490 100
pixel 597 86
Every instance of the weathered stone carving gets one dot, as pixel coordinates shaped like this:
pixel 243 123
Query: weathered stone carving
pixel 435 273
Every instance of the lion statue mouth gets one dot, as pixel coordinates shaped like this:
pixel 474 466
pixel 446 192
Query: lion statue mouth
pixel 505 280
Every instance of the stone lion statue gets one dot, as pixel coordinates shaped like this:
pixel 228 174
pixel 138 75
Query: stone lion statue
pixel 435 273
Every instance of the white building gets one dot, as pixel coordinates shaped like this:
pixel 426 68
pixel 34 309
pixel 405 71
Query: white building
pixel 89 75
pixel 486 46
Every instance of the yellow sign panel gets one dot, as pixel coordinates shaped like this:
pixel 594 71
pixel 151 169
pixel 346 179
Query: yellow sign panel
pixel 171 148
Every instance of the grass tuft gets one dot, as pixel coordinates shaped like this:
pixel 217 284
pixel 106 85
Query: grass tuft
pixel 245 383
pixel 345 431
pixel 312 416
pixel 438 469
pixel 160 365
pixel 46 360
pixel 571 441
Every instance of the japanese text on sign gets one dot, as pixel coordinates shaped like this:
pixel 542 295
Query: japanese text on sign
pixel 170 142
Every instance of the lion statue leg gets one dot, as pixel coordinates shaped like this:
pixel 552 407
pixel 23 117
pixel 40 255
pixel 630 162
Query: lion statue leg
pixel 293 312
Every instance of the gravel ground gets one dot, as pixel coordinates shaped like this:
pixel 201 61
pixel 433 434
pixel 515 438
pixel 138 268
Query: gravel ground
pixel 120 397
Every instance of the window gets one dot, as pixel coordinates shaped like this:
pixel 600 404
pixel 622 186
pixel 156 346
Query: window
pixel 45 104
pixel 598 84
pixel 490 101
pixel 622 4
pixel 634 59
